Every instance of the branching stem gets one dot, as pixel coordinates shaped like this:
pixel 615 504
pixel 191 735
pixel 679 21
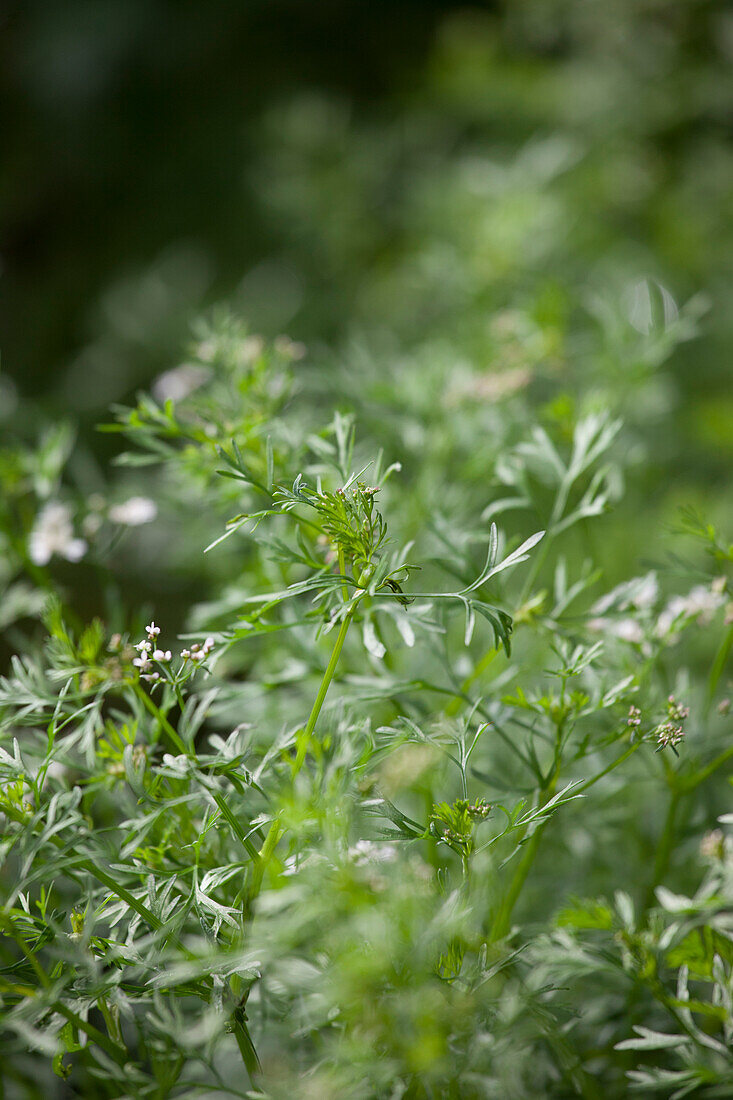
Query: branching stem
pixel 323 689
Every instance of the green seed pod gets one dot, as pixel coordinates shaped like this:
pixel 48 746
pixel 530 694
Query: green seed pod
pixel 363 572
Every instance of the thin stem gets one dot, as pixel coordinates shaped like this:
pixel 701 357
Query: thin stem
pixel 704 773
pixel 609 768
pixel 455 705
pixel 501 924
pixel 157 713
pixel 719 663
pixel 20 940
pixel 537 562
pixel 115 1050
pixel 342 571
pixel 236 827
pixel 330 669
pixel 264 856
pixel 328 674
pixel 665 846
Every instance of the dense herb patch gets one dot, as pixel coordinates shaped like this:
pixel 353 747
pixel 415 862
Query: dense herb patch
pixel 360 831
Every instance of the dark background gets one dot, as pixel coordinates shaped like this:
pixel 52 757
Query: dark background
pixel 141 141
pixel 127 126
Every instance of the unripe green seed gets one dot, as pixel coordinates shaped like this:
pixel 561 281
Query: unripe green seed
pixel 363 572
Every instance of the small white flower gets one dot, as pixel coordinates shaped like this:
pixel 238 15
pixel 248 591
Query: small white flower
pixel 647 591
pixel 178 383
pixel 91 524
pixel 700 603
pixel 641 592
pixel 487 386
pixel 134 512
pixel 144 647
pixel 674 610
pixel 628 630
pixel 54 534
pixel 162 655
pixel 367 851
pixel 152 630
pixel 206 350
pixel 251 348
pixel 290 349
pixel 185 654
pixel 712 845
pixel 141 662
pixel 703 602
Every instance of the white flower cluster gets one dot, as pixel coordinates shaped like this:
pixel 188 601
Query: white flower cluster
pixel 635 595
pixel 700 603
pixel 367 851
pixel 198 652
pixel 134 512
pixel 715 846
pixel 176 384
pixel 670 733
pixel 639 596
pixel 53 533
pixel 288 348
pixel 149 651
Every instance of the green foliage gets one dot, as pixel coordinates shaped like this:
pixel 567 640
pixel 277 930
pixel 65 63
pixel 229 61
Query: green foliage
pixel 421 786
pixel 313 838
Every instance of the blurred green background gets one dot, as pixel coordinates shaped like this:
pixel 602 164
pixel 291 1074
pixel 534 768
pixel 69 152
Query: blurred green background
pixel 477 217
pixel 133 144
pixel 410 188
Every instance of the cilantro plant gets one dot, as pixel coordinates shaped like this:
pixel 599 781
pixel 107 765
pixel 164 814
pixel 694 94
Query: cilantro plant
pixel 360 824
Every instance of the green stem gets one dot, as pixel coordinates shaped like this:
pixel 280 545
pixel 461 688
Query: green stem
pixel 115 1050
pixel 665 846
pixel 609 768
pixel 719 664
pixel 157 713
pixel 342 571
pixel 458 702
pixel 111 1019
pixel 328 674
pixel 538 561
pixel 264 856
pixel 502 920
pixel 119 1054
pixel 236 827
pixel 704 773
pixel 245 1044
pixel 501 924
pixel 323 690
